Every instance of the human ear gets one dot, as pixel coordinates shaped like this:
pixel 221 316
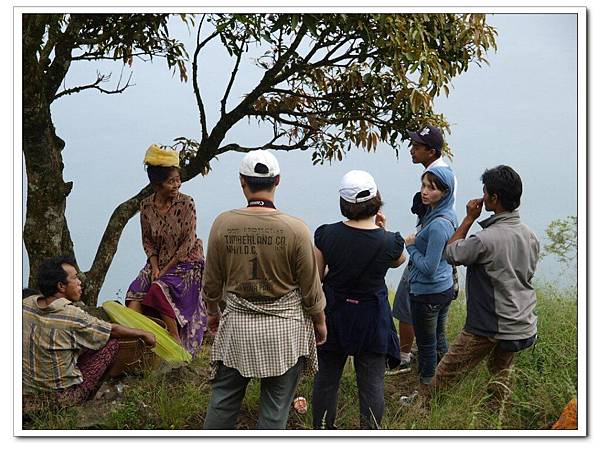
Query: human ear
pixel 61 287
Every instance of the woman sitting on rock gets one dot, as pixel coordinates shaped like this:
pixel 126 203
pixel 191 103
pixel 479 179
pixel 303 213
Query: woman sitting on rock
pixel 170 283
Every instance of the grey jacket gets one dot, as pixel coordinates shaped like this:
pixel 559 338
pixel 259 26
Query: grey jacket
pixel 501 260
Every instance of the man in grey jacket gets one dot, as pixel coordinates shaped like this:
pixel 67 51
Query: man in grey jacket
pixel 501 260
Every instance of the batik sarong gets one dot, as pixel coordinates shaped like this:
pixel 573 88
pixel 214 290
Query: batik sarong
pixel 178 295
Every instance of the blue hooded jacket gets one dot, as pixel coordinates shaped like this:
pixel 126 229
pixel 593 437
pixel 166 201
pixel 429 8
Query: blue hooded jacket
pixel 429 271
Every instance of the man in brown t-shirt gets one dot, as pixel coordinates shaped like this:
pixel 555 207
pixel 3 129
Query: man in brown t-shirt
pixel 261 263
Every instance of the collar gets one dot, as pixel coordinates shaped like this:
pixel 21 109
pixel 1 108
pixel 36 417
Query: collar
pixel 57 305
pixel 436 163
pixel 506 216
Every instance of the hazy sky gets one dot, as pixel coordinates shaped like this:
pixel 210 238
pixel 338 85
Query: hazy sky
pixel 520 111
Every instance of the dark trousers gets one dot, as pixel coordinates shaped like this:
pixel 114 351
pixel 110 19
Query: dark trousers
pixel 429 321
pixel 370 369
pixel 229 388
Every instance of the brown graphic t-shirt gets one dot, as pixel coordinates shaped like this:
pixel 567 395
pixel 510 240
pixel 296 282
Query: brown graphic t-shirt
pixel 261 253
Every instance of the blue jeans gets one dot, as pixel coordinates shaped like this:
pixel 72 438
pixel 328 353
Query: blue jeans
pixel 370 370
pixel 429 321
pixel 229 387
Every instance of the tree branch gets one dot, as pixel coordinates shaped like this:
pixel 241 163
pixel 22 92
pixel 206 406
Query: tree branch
pixel 95 85
pixel 233 74
pixel 300 145
pixel 294 68
pixel 317 46
pixel 53 33
pixel 93 56
pixel 278 118
pixel 324 97
pixel 62 59
pixel 110 240
pixel 267 81
pixel 199 46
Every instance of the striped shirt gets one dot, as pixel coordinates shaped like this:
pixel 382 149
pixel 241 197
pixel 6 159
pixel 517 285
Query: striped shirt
pixel 53 339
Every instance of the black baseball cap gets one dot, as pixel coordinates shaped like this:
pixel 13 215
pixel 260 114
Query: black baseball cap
pixel 428 135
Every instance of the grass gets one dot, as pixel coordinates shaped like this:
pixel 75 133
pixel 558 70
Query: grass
pixel 544 380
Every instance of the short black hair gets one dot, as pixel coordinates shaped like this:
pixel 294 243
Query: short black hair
pixel 363 210
pixel 438 151
pixel 28 292
pixel 436 181
pixel 257 184
pixel 50 273
pixel 505 182
pixel 159 174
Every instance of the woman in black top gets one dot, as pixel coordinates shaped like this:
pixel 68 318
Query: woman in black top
pixel 353 258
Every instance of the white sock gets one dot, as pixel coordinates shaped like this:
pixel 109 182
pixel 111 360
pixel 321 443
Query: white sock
pixel 405 356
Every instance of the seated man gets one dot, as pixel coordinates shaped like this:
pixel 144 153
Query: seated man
pixel 501 260
pixel 66 351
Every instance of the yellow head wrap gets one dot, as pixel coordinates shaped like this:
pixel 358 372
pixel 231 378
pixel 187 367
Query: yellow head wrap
pixel 157 156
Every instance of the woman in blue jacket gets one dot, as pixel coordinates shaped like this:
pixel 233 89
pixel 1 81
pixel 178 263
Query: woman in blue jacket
pixel 431 281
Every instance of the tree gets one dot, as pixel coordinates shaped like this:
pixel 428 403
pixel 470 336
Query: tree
pixel 51 43
pixel 330 82
pixel 562 237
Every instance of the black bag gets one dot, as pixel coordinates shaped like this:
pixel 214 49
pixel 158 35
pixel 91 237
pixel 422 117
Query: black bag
pixel 518 345
pixel 455 285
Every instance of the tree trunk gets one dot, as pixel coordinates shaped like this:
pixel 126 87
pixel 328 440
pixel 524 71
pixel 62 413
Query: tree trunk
pixel 46 233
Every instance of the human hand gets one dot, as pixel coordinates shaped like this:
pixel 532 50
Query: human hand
pixel 212 323
pixel 149 339
pixel 474 208
pixel 410 239
pixel 155 273
pixel 380 219
pixel 320 332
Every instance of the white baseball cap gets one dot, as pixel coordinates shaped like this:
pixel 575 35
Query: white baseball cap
pixel 259 163
pixel 358 186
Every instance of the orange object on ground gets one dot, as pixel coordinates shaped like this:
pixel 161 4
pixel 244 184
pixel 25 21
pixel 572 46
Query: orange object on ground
pixel 568 418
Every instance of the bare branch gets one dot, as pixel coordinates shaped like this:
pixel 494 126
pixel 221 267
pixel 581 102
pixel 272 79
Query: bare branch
pixel 233 74
pixel 93 56
pixel 267 81
pixel 277 117
pixel 300 145
pixel 299 67
pixel 199 46
pixel 96 85
pixel 272 72
pixel 325 97
pixel 318 45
